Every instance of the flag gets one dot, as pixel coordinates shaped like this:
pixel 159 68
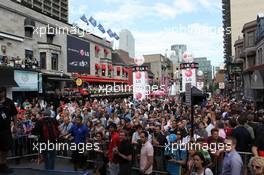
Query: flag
pixel 92 21
pixel 110 33
pixel 84 19
pixel 101 28
pixel 116 36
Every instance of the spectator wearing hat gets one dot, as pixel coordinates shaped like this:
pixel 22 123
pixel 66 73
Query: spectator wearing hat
pixel 177 156
pixel 8 113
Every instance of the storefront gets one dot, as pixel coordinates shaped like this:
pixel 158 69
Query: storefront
pixel 29 85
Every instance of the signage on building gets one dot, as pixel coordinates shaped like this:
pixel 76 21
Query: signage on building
pixel 189 66
pixel 140 68
pixel 140 84
pixel 26 80
pixel 188 94
pixel 78 55
pixel 188 76
pixel 79 82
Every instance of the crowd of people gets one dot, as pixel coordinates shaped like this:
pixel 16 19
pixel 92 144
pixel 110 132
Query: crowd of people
pixel 225 138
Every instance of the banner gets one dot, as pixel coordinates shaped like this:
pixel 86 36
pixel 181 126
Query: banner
pixel 140 85
pixel 99 26
pixel 78 55
pixel 188 76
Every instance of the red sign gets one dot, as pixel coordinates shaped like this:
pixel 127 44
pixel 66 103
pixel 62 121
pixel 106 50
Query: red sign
pixel 188 73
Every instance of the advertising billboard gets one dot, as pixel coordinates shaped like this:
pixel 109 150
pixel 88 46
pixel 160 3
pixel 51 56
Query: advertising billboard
pixel 188 76
pixel 78 55
pixel 140 84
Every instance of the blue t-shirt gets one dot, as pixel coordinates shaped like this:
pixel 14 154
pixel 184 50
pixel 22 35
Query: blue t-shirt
pixel 175 168
pixel 79 133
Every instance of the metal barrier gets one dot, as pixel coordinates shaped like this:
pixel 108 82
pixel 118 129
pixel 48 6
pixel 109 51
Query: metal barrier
pixel 23 147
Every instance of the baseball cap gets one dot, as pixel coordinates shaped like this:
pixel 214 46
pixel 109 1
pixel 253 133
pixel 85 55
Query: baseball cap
pixel 172 138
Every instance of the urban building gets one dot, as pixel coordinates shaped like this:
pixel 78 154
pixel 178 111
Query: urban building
pixel 177 52
pixel 55 57
pixel 235 15
pixel 206 67
pixel 176 57
pixel 249 53
pixel 57 9
pixel 161 67
pixel 127 42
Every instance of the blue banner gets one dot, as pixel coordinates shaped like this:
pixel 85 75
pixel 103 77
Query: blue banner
pixel 116 36
pixel 110 33
pixel 93 21
pixel 101 28
pixel 84 19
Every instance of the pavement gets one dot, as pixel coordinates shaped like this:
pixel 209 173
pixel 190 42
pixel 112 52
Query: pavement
pixel 28 167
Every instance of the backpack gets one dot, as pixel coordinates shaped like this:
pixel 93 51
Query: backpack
pixel 50 129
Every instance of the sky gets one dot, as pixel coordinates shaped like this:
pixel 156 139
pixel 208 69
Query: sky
pixel 158 24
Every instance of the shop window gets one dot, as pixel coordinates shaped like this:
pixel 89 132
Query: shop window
pixel 43 60
pixel 54 61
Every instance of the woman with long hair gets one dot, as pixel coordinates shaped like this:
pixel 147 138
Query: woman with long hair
pixel 200 165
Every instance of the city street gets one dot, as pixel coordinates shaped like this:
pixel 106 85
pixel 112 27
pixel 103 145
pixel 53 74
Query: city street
pixel 132 87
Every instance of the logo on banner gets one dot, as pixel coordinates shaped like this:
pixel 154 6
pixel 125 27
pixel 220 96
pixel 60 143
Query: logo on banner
pixel 84 53
pixel 188 73
pixel 138 75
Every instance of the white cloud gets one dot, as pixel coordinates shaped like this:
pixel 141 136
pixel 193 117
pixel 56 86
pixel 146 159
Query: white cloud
pixel 199 43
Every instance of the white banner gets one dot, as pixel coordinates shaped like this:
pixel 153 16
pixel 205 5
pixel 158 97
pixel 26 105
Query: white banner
pixel 188 76
pixel 140 85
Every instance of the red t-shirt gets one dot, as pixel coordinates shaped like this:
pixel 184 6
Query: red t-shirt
pixel 115 142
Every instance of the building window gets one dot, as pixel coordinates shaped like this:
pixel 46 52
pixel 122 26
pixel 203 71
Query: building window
pixel 117 73
pixel 103 72
pixel 28 32
pixel 29 54
pixel 54 61
pixel 50 39
pixel 43 60
pixel 251 39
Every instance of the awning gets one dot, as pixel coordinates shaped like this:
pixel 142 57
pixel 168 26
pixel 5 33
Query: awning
pixel 97 48
pixel 96 79
pixel 110 67
pixel 106 51
pixel 7 77
pixel 118 69
pixel 97 66
pixel 60 79
pixel 124 70
pixel 103 66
